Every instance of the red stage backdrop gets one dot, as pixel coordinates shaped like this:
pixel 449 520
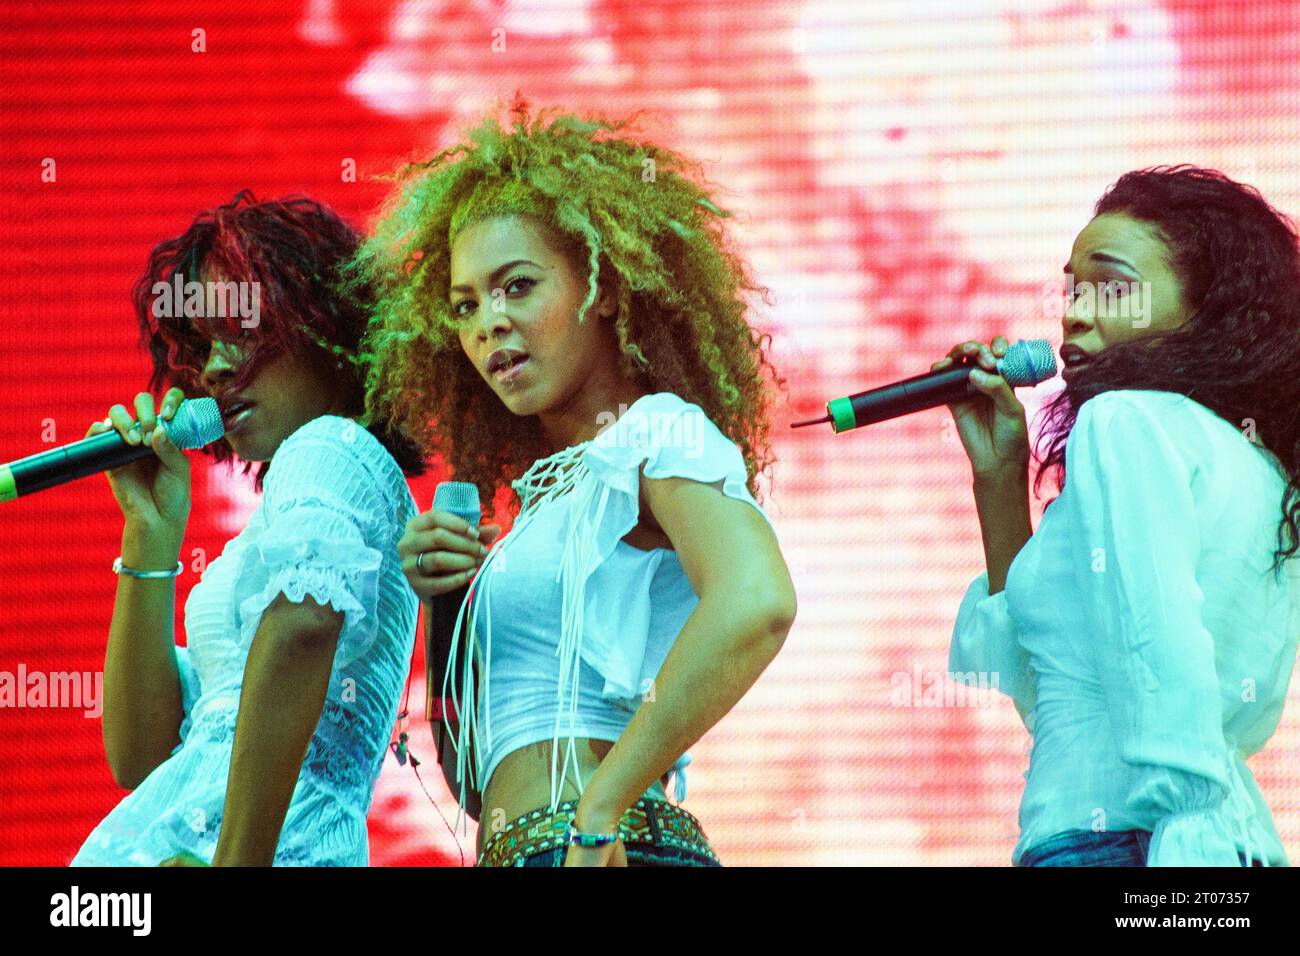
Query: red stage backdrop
pixel 907 175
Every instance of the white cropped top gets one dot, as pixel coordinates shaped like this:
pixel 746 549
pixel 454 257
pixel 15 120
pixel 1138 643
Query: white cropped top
pixel 568 623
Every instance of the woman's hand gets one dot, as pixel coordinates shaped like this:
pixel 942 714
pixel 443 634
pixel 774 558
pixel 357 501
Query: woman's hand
pixel 612 854
pixel 452 549
pixel 992 426
pixel 154 492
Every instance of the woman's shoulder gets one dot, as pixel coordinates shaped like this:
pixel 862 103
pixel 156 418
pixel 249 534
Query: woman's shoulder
pixel 331 449
pixel 1176 422
pixel 658 420
pixel 666 435
pixel 331 429
pixel 1173 414
pixel 1145 402
pixel 348 438
pixel 662 435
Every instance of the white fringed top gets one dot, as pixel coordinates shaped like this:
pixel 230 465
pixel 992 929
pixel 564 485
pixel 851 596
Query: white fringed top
pixel 568 623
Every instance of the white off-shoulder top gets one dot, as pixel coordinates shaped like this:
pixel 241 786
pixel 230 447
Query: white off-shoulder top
pixel 335 503
pixel 1143 636
pixel 569 624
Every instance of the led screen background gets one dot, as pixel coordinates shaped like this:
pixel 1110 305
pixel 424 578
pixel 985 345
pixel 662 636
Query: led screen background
pixel 905 176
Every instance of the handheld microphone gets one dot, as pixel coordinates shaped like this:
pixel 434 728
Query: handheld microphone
pixel 197 422
pixel 1027 362
pixel 461 499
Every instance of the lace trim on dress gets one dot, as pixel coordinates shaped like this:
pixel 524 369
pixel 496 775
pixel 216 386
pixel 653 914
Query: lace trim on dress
pixel 341 575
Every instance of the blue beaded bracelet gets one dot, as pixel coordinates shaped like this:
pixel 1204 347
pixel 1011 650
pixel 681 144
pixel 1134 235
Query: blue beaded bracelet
pixel 575 838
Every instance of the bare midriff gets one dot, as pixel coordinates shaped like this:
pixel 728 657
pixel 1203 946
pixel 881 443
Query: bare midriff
pixel 521 782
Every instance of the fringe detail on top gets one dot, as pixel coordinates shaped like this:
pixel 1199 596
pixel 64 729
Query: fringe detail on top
pixel 546 480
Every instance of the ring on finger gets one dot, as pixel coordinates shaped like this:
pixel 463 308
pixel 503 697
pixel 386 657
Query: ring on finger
pixel 419 562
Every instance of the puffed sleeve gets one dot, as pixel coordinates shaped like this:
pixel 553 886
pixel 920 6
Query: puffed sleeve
pixel 1129 498
pixel 189 677
pixel 325 514
pixel 984 642
pixel 669 438
pixel 666 437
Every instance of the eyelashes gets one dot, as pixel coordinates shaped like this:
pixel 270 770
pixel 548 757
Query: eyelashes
pixel 509 283
pixel 1109 287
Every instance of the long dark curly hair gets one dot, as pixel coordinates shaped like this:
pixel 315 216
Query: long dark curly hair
pixel 293 248
pixel 1238 354
pixel 628 212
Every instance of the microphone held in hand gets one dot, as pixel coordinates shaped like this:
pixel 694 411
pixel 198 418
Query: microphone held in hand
pixel 1027 362
pixel 197 422
pixel 461 499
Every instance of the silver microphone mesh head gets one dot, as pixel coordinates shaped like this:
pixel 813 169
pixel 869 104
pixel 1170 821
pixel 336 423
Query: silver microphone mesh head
pixel 197 422
pixel 460 498
pixel 1028 362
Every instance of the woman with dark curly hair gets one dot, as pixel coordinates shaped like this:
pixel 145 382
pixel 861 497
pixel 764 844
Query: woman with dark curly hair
pixel 1147 630
pixel 259 741
pixel 557 305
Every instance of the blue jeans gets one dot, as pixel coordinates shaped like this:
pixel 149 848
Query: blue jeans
pixel 638 854
pixel 1085 848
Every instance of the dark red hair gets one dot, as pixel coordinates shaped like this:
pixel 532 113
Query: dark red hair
pixel 292 248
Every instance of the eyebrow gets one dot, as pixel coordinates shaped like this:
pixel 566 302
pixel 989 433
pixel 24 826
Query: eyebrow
pixel 497 273
pixel 1110 260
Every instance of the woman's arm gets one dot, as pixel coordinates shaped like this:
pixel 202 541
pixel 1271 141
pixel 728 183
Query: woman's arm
pixel 142 688
pixel 327 520
pixel 143 703
pixel 285 683
pixel 995 436
pixel 745 610
pixel 1002 504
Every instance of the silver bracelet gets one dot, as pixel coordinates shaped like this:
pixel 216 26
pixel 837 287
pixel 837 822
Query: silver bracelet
pixel 574 837
pixel 120 568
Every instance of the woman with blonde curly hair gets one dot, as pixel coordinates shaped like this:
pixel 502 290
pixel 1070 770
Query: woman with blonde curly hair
pixel 558 309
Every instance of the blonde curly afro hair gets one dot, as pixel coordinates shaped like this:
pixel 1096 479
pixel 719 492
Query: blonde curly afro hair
pixel 635 215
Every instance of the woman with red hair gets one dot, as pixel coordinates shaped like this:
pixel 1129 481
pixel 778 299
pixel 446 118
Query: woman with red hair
pixel 259 741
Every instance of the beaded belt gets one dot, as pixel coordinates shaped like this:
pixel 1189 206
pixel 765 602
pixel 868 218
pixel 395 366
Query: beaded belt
pixel 653 822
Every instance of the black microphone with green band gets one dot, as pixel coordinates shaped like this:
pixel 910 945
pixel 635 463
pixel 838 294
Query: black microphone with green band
pixel 197 422
pixel 1027 362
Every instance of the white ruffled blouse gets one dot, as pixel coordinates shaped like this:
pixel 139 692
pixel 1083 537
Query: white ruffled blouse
pixel 1143 636
pixel 569 624
pixel 335 504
